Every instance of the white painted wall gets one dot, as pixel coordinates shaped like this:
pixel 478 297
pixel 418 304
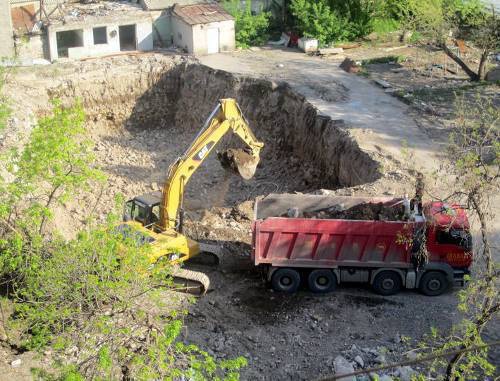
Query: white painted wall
pixel 226 36
pixel 183 34
pixel 144 36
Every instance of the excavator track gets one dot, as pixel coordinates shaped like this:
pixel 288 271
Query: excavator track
pixel 210 255
pixel 192 282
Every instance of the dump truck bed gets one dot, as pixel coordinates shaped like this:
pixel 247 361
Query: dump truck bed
pixel 282 241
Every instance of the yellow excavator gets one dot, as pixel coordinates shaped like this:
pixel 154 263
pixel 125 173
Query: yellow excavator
pixel 158 217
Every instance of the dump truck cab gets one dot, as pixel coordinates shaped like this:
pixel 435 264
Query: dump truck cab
pixel 144 209
pixel 448 235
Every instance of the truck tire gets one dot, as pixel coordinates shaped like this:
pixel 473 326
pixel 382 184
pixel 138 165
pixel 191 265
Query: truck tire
pixel 286 280
pixel 387 283
pixel 433 283
pixel 322 281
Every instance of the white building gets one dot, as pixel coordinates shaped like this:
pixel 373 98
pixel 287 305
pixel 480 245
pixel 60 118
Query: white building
pixel 202 28
pixel 91 31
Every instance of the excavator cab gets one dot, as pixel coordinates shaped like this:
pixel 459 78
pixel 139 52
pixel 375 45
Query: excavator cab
pixel 144 209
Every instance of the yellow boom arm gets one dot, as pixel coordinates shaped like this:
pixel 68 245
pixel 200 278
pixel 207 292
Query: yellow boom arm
pixel 226 116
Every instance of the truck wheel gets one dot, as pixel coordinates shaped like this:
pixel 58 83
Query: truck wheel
pixel 433 283
pixel 322 281
pixel 387 283
pixel 285 280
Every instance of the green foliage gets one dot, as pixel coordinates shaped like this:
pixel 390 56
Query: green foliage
pixel 251 30
pixel 55 164
pixel 386 59
pixel 331 21
pixel 473 164
pixel 383 26
pixel 4 107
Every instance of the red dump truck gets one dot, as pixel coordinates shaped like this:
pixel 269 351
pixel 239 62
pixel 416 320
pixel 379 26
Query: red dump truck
pixel 321 242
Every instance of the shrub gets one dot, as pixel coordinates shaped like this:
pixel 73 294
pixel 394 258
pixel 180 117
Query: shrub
pixel 251 30
pixel 331 21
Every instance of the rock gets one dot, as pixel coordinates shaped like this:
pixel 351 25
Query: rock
pixel 382 83
pixel 405 373
pixel 411 356
pixel 362 378
pixel 385 377
pixel 372 36
pixel 342 366
pixel 380 359
pixel 350 66
pixel 493 75
pixel 16 363
pixel 359 361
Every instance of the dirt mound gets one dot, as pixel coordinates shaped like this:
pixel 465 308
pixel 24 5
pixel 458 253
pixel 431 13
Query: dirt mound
pixel 365 211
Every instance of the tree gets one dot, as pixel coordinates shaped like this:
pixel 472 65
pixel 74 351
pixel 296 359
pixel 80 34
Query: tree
pixel 468 19
pixel 332 20
pixel 251 30
pixel 473 165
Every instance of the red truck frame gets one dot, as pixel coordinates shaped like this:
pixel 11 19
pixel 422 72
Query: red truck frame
pixel 323 253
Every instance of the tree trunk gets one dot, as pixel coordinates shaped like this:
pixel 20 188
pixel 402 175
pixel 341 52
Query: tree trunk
pixel 482 64
pixel 472 74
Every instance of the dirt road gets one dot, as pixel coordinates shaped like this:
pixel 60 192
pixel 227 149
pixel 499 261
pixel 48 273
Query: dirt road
pixel 378 121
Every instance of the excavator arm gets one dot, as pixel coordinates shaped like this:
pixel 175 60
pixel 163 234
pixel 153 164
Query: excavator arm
pixel 226 116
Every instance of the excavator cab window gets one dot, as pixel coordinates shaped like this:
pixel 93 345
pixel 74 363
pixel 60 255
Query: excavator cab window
pixel 155 214
pixel 137 211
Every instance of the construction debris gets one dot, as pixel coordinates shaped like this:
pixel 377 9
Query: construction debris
pixel 350 66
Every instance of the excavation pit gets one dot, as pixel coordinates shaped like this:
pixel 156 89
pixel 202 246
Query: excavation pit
pixel 142 120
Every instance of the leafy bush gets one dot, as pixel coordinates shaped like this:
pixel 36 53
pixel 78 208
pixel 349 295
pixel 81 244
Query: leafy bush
pixel 251 30
pixel 330 21
pixel 317 20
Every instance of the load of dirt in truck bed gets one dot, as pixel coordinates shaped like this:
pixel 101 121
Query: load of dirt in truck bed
pixel 365 211
pixel 330 207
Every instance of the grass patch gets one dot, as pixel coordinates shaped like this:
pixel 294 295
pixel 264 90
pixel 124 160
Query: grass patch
pixel 383 26
pixel 382 60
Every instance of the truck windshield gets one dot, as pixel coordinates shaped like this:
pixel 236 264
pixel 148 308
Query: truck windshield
pixel 456 237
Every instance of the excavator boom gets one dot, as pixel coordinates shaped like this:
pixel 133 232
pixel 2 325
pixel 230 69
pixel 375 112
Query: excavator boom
pixel 225 117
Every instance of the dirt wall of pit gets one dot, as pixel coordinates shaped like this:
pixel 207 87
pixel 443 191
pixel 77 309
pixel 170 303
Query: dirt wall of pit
pixel 180 95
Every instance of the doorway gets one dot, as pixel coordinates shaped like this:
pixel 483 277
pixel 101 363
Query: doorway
pixel 68 39
pixel 128 40
pixel 212 40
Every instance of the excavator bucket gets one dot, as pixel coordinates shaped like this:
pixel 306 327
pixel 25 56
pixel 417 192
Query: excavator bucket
pixel 239 161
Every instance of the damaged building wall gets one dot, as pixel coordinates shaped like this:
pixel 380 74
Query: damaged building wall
pixel 182 34
pixel 143 39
